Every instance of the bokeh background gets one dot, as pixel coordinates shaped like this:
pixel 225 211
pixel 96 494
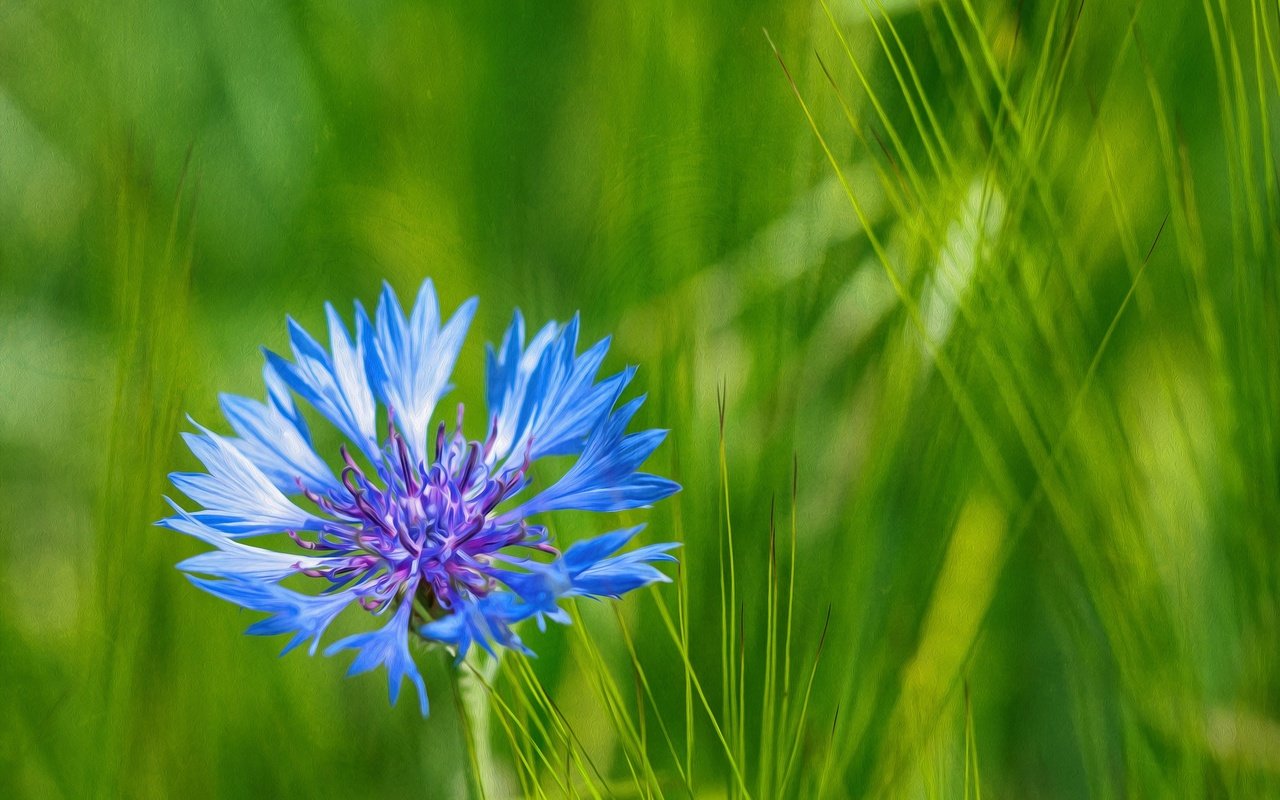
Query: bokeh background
pixel 994 282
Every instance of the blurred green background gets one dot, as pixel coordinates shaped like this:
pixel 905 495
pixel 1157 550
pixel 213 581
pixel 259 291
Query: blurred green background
pixel 998 279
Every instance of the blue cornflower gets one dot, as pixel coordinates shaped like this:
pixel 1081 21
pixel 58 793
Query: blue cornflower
pixel 425 528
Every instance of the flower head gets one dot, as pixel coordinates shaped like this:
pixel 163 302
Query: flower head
pixel 436 533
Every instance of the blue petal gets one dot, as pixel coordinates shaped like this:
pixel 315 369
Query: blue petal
pixel 587 552
pixel 273 442
pixel 409 361
pixel 540 588
pixel 605 477
pixel 233 558
pixel 589 569
pixel 336 385
pixel 614 577
pixel 545 394
pixel 282 401
pixel 238 498
pixel 304 616
pixel 485 621
pixel 389 646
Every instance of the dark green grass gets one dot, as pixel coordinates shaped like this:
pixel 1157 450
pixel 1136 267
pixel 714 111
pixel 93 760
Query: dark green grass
pixel 963 317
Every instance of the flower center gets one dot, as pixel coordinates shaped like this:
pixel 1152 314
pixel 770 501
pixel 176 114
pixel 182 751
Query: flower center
pixel 429 525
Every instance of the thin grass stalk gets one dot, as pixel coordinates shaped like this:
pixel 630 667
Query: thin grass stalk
pixel 824 774
pixel 733 646
pixel 798 734
pixel 527 714
pixel 891 130
pixel 769 698
pixel 643 683
pixel 791 594
pixel 566 732
pixel 702 695
pixel 634 748
pixel 931 134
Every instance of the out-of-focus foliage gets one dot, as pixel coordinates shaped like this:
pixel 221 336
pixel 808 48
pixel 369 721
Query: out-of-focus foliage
pixel 997 279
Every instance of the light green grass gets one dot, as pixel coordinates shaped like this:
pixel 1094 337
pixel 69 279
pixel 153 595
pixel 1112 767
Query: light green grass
pixel 964 317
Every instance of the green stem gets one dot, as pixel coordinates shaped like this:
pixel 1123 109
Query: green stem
pixel 476 714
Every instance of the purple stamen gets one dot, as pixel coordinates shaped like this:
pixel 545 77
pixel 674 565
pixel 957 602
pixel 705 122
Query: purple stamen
pixel 429 521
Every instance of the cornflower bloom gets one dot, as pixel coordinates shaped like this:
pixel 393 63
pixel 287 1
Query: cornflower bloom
pixel 426 528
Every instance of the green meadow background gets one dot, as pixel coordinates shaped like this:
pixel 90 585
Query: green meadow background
pixel 964 317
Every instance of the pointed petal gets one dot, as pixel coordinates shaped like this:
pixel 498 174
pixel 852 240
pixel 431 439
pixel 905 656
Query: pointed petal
pixel 545 393
pixel 583 554
pixel 595 572
pixel 485 621
pixel 235 558
pixel 388 646
pixel 282 401
pixel 335 385
pixel 605 477
pixel 410 361
pixel 614 577
pixel 238 498
pixel 304 616
pixel 349 374
pixel 275 445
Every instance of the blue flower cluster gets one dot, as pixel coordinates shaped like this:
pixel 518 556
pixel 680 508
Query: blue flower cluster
pixel 424 527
